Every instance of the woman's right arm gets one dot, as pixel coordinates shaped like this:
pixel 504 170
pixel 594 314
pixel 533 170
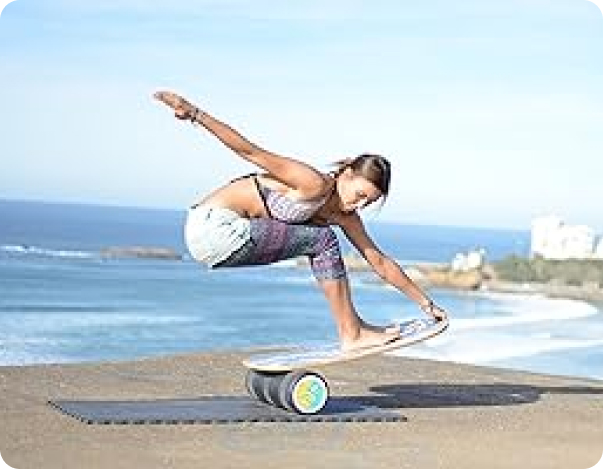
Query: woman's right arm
pixel 384 266
pixel 296 174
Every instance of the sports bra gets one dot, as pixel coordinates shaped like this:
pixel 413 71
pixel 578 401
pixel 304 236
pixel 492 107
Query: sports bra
pixel 283 208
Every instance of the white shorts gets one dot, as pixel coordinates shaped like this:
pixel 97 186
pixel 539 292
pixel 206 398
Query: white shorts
pixel 212 234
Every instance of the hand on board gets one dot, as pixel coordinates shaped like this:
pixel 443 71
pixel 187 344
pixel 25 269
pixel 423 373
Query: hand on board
pixel 436 312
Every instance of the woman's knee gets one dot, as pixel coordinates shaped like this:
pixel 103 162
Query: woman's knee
pixel 327 262
pixel 326 240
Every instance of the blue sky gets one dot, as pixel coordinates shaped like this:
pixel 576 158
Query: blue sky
pixel 490 112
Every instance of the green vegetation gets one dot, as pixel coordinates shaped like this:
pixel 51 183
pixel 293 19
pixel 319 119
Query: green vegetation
pixel 567 272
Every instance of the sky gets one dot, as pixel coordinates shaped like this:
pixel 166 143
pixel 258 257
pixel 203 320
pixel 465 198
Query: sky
pixel 491 112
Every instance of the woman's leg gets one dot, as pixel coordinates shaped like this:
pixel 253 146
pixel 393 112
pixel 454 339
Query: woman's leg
pixel 273 241
pixel 353 331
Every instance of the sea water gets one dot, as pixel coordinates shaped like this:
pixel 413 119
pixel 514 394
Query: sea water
pixel 62 301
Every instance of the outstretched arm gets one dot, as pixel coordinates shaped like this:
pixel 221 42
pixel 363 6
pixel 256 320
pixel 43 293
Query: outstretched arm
pixel 385 267
pixel 296 174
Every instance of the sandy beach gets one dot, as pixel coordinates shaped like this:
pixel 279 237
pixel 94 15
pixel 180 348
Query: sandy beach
pixel 455 416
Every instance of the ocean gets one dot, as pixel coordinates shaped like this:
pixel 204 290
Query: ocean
pixel 62 302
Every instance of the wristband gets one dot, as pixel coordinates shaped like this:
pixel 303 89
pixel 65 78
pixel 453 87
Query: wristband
pixel 428 308
pixel 197 115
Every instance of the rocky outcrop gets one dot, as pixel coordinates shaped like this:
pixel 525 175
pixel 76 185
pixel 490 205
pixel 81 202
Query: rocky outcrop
pixel 140 252
pixel 448 278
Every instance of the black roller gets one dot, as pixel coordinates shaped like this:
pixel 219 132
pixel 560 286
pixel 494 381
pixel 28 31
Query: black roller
pixel 272 386
pixel 264 386
pixel 254 382
pixel 301 391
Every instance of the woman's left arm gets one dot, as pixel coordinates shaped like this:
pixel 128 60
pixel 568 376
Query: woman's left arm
pixel 385 267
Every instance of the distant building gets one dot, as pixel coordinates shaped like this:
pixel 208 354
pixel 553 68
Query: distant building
pixel 599 250
pixel 553 239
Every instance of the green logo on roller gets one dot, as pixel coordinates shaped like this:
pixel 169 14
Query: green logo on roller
pixel 310 394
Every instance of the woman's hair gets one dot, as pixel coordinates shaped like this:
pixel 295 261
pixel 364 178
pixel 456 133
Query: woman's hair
pixel 375 168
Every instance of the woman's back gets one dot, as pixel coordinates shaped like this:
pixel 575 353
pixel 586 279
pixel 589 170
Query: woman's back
pixel 256 196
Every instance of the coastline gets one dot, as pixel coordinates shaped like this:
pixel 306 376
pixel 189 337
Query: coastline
pixel 455 416
pixel 578 293
pixel 440 275
pixel 426 274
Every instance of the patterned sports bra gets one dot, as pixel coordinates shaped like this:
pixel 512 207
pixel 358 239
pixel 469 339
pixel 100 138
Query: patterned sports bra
pixel 283 208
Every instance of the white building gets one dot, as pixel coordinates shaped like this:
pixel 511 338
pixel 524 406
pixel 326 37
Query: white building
pixel 553 239
pixel 599 250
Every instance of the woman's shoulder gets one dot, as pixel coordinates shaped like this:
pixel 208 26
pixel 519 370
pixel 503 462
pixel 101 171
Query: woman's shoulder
pixel 323 185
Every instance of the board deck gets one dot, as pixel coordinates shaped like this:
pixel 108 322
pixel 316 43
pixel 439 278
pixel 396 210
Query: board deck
pixel 411 332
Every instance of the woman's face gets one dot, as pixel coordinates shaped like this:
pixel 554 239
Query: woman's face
pixel 355 191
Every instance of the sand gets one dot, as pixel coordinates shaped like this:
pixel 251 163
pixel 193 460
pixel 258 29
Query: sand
pixel 458 416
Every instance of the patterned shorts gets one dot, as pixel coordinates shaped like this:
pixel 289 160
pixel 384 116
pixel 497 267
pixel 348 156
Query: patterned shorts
pixel 273 240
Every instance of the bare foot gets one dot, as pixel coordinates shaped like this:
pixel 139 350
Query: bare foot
pixel 182 108
pixel 369 337
pixel 391 328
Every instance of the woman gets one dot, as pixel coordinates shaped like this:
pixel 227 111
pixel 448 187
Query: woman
pixel 287 212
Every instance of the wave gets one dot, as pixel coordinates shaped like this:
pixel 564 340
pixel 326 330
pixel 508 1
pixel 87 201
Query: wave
pixel 532 317
pixel 490 348
pixel 519 326
pixel 522 301
pixel 65 320
pixel 24 249
pixel 59 308
pixel 15 358
pixel 19 351
pixel 519 309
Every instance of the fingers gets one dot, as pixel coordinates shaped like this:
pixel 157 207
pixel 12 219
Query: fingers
pixel 182 109
pixel 440 314
pixel 160 95
pixel 169 98
pixel 437 313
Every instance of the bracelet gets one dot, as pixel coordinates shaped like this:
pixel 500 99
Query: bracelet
pixel 197 115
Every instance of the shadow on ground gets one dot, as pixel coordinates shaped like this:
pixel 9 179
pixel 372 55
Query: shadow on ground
pixel 435 395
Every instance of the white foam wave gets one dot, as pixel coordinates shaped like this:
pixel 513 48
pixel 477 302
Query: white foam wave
pixel 28 341
pixel 19 351
pixel 20 249
pixel 501 336
pixel 62 321
pixel 488 348
pixel 521 302
pixel 508 321
pixel 521 309
pixel 12 358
